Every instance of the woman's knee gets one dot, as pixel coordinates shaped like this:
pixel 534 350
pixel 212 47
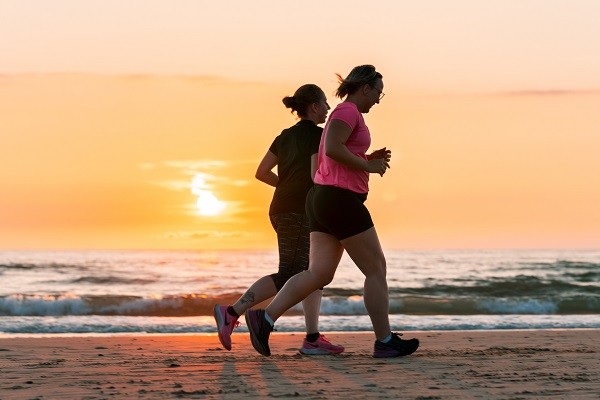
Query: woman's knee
pixel 378 268
pixel 279 279
pixel 373 268
pixel 321 277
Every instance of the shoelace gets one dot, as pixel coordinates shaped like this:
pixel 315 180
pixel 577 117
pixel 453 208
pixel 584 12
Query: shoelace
pixel 235 325
pixel 395 334
pixel 323 338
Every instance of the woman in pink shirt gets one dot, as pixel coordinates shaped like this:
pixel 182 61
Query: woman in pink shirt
pixel 340 221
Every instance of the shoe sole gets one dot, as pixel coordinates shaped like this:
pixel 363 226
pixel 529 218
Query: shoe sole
pixel 318 352
pixel 254 337
pixel 220 323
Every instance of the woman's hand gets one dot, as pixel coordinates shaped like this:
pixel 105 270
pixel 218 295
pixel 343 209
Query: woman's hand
pixel 381 153
pixel 377 166
pixel 379 161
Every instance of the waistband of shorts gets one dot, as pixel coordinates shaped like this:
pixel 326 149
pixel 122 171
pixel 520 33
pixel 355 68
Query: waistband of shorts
pixel 342 190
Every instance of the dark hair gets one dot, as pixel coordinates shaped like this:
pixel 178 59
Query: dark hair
pixel 359 76
pixel 303 98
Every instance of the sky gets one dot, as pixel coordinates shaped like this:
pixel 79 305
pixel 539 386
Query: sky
pixel 126 124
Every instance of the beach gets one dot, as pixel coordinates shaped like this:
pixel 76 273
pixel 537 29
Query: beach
pixel 499 364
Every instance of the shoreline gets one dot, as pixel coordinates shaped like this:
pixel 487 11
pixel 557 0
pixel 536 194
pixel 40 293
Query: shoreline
pixel 151 334
pixel 524 364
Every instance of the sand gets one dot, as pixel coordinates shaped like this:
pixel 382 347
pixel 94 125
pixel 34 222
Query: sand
pixel 526 364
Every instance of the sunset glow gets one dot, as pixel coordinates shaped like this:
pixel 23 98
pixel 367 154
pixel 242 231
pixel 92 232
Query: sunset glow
pixel 141 124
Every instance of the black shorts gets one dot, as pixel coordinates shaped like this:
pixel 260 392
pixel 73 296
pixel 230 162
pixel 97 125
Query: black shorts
pixel 336 211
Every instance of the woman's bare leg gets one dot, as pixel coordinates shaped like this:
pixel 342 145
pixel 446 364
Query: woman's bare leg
pixel 366 252
pixel 262 289
pixel 312 309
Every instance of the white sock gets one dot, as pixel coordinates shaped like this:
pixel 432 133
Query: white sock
pixel 387 339
pixel 269 320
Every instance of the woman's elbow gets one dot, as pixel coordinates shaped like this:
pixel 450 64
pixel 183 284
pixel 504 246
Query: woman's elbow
pixel 330 151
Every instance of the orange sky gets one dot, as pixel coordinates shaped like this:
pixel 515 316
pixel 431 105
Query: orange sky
pixel 490 111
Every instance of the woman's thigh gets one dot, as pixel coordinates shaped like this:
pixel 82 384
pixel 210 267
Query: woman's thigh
pixel 366 252
pixel 325 255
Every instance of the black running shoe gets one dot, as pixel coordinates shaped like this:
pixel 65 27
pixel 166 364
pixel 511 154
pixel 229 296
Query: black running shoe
pixel 396 347
pixel 260 330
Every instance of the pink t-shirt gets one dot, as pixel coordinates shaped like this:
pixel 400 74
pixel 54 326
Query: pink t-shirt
pixel 333 173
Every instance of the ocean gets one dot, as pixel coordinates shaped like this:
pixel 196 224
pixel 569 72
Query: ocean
pixel 118 292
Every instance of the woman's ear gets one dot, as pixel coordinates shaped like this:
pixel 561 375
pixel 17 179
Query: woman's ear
pixel 366 88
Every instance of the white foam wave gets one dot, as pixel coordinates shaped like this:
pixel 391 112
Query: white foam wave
pixel 513 306
pixel 352 305
pixel 64 304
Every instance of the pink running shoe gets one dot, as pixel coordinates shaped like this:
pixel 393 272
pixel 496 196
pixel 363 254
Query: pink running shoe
pixel 320 347
pixel 225 325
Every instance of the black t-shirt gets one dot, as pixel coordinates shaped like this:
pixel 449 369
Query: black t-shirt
pixel 294 148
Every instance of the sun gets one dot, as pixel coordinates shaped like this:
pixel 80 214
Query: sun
pixel 207 203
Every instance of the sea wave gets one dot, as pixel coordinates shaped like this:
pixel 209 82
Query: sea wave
pixel 44 266
pixel 110 280
pixel 564 265
pixel 501 287
pixel 352 304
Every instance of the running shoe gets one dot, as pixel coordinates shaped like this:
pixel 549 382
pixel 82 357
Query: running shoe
pixel 225 325
pixel 321 346
pixel 259 330
pixel 396 347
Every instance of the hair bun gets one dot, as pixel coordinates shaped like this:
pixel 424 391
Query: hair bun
pixel 304 96
pixel 289 102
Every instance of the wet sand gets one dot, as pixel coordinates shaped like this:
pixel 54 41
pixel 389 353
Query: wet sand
pixel 528 364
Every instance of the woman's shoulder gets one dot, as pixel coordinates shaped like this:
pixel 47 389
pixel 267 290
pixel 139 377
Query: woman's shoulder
pixel 300 131
pixel 346 106
pixel 305 126
pixel 346 109
pixel 347 112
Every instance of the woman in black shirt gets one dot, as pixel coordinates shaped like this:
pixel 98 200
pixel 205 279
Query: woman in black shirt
pixel 294 152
